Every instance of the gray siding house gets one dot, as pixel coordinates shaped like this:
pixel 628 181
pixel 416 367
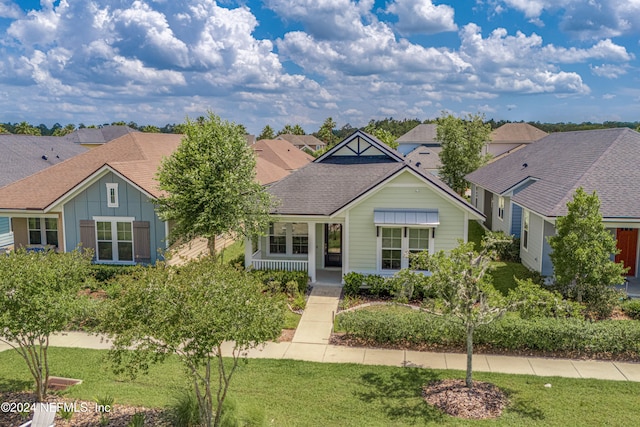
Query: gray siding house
pixel 524 192
pixel 359 207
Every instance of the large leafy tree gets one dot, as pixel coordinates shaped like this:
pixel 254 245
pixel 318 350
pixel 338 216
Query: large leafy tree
pixel 462 141
pixel 39 297
pixel 190 313
pixel 210 184
pixel 24 128
pixel 460 280
pixel 62 131
pixel 581 254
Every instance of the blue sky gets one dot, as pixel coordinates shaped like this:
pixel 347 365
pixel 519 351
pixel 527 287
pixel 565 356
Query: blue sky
pixel 300 61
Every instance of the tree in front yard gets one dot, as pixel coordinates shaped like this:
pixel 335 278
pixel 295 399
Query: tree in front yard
pixel 460 281
pixel 462 141
pixel 190 312
pixel 382 134
pixel 39 297
pixel 581 255
pixel 210 184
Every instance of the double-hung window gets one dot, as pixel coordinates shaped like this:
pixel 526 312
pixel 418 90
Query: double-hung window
pixel 288 238
pixel 525 229
pixel 43 231
pixel 395 243
pixel 278 238
pixel 501 207
pixel 391 248
pixel 115 240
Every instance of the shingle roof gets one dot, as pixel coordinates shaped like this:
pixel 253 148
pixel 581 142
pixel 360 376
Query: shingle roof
pixel 267 172
pixel 281 153
pixel 604 160
pixel 300 140
pixel 22 155
pixel 425 157
pixel 517 133
pixel 136 156
pixel 98 135
pixel 421 133
pixel 323 188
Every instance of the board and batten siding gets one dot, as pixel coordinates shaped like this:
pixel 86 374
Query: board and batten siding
pixel 400 193
pixel 531 257
pixel 132 203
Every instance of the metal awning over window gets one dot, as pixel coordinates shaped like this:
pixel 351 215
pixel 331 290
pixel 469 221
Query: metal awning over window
pixel 406 217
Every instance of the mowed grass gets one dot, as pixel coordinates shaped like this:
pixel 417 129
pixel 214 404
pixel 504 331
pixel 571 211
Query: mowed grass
pixel 295 393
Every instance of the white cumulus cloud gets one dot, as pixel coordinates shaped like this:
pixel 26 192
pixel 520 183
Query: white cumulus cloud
pixel 422 16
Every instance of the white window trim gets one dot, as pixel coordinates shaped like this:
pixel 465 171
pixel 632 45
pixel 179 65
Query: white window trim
pixel 43 230
pixel 501 209
pixel 112 186
pixel 288 242
pixel 114 237
pixel 404 260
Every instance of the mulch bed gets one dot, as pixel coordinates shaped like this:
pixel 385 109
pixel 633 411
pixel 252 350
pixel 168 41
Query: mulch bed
pixel 453 397
pixel 85 415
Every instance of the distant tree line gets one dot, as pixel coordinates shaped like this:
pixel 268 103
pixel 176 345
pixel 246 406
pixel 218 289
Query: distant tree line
pixel 328 131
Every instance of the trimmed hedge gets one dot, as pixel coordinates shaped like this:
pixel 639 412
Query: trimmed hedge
pixel 579 337
pixel 106 272
pixel 283 277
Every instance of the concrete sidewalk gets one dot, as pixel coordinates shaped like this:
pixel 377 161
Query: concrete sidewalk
pixel 311 343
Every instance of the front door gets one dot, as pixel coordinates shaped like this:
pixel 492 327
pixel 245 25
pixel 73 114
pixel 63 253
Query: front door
pixel 333 245
pixel 627 244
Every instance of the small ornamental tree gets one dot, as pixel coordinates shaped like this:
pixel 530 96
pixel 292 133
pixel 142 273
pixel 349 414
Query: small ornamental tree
pixel 459 280
pixel 462 141
pixel 190 312
pixel 210 184
pixel 581 255
pixel 39 297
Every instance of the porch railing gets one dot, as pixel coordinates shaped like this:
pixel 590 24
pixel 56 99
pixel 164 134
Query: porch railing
pixel 278 264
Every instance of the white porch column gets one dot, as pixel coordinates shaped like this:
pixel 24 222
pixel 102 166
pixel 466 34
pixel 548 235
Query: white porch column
pixel 311 255
pixel 248 251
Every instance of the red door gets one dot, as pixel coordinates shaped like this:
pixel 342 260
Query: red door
pixel 627 243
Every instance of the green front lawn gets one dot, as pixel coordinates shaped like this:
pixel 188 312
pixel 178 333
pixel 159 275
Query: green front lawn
pixel 295 393
pixel 504 272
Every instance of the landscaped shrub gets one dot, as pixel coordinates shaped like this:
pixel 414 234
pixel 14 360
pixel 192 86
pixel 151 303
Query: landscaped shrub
pixel 577 337
pixel 377 285
pixel 632 308
pixel 105 272
pixel 410 285
pixel 352 283
pixel 283 277
pixel 530 300
pixel 508 247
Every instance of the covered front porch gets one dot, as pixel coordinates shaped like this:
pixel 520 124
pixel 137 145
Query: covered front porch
pixel 319 248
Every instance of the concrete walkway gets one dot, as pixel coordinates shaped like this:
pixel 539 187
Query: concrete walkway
pixel 311 343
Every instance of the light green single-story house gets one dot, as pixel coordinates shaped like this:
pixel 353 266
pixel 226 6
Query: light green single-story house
pixel 359 207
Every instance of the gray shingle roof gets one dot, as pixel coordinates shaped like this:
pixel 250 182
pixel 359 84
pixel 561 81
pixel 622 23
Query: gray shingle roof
pixel 323 188
pixel 420 133
pixel 604 160
pixel 22 155
pixel 425 157
pixel 98 135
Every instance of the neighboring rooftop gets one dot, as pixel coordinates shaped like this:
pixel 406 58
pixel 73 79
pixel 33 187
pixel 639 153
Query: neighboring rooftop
pixel 281 153
pixel 512 136
pixel 24 155
pixel 425 157
pixel 604 160
pixel 98 136
pixel 421 134
pixel 302 141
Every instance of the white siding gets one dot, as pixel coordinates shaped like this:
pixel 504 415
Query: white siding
pixel 532 256
pixel 404 192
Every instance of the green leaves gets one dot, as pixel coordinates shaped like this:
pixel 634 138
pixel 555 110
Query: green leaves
pixel 581 254
pixel 210 183
pixel 462 141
